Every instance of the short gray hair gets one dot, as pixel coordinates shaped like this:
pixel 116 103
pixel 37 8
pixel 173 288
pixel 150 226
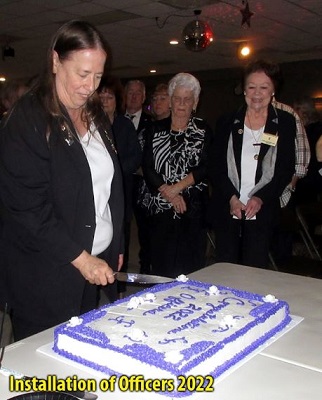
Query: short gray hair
pixel 188 81
pixel 135 82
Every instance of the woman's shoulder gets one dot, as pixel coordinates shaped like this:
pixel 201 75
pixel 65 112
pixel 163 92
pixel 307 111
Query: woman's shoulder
pixel 201 123
pixel 284 114
pixel 27 108
pixel 30 100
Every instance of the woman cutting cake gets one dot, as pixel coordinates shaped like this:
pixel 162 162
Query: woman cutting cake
pixel 61 188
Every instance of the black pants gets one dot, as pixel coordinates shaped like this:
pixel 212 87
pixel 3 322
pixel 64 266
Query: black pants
pixel 23 328
pixel 243 242
pixel 178 245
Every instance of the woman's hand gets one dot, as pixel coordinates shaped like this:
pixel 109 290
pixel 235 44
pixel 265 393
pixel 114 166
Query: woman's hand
pixel 169 192
pixel 120 263
pixel 179 204
pixel 93 269
pixel 236 207
pixel 254 204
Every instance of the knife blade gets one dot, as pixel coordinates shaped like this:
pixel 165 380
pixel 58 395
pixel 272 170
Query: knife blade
pixel 141 278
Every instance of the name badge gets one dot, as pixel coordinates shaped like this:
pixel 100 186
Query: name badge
pixel 269 139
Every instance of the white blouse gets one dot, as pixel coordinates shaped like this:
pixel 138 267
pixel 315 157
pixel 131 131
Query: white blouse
pixel 102 171
pixel 249 162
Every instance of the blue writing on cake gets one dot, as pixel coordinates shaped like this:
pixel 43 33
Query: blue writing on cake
pixel 194 323
pixel 174 340
pixel 178 315
pixel 121 319
pixel 170 302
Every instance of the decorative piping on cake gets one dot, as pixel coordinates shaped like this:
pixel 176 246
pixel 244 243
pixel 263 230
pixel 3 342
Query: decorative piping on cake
pixel 197 352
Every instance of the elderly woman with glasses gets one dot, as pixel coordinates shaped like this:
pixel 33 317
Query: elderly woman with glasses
pixel 174 166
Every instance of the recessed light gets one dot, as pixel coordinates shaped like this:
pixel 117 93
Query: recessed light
pixel 153 71
pixel 2 79
pixel 244 50
pixel 174 42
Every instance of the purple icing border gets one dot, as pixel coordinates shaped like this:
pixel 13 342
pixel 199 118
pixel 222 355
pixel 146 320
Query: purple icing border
pixel 143 352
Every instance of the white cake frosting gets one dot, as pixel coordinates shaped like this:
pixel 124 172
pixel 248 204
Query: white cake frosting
pixel 181 328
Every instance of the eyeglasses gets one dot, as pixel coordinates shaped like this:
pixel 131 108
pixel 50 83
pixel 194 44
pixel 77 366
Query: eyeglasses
pixel 183 100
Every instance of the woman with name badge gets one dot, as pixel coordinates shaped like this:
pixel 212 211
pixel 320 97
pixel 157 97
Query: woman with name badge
pixel 253 160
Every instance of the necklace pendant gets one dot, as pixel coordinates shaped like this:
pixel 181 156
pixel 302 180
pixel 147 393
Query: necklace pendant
pixel 256 157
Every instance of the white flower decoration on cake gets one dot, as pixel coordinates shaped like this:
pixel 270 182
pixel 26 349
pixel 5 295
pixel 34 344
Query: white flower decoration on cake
pixel 213 290
pixel 182 278
pixel 150 297
pixel 136 334
pixel 227 320
pixel 134 302
pixel 74 321
pixel 173 356
pixel 270 298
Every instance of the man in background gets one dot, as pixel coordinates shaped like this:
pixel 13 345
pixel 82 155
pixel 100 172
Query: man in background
pixel 135 96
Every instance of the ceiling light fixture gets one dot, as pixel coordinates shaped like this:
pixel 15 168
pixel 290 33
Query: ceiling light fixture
pixel 244 51
pixel 197 35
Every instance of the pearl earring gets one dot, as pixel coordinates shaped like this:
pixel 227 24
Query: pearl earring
pixel 244 93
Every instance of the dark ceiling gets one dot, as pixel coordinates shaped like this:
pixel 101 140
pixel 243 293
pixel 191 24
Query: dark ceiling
pixel 282 30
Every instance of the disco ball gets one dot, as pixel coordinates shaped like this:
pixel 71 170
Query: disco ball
pixel 197 35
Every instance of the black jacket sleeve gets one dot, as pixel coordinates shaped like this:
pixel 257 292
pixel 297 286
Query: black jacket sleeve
pixel 27 192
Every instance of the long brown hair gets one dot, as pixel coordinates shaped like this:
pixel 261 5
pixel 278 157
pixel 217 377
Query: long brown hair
pixel 72 36
pixel 114 84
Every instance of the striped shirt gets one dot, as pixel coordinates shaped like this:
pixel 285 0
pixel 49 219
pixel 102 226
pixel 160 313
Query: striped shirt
pixel 302 150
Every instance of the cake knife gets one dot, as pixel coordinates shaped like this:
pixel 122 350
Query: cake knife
pixel 141 278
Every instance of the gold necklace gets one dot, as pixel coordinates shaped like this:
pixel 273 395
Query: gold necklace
pixel 257 143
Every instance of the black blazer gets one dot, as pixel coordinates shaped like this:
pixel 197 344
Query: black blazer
pixel 127 144
pixel 130 156
pixel 144 123
pixel 49 213
pixel 145 119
